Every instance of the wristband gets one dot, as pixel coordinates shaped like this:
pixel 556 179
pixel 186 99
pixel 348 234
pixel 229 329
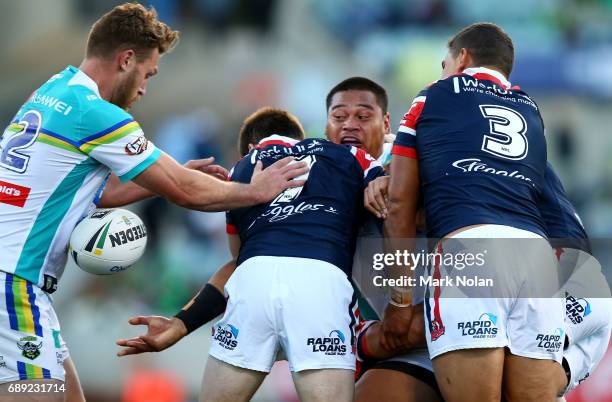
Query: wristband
pixel 400 297
pixel 207 304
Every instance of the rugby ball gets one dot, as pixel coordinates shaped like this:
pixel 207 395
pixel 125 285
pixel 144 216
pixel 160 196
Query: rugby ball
pixel 108 241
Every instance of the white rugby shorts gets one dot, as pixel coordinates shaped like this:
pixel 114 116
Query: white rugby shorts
pixel 529 326
pixel 301 307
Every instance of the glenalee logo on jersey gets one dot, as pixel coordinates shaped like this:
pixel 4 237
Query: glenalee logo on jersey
pixel 551 342
pixel 30 347
pixel 332 345
pixel 13 194
pixel 138 146
pixel 576 309
pixel 226 335
pixel 484 327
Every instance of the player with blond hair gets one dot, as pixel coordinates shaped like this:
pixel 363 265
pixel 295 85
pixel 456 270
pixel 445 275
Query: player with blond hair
pixel 55 158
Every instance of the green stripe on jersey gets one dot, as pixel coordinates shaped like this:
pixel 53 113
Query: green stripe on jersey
pixel 18 299
pixel 51 215
pixel 45 139
pixel 110 137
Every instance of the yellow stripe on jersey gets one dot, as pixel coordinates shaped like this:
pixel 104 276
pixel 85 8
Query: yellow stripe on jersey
pixel 15 128
pixel 121 132
pixel 56 142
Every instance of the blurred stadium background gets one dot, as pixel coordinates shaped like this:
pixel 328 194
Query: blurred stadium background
pixel 237 55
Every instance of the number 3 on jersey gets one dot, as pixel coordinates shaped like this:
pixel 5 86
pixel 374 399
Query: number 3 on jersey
pixel 507 137
pixel 19 136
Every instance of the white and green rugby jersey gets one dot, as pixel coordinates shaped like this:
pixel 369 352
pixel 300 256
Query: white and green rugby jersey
pixel 54 157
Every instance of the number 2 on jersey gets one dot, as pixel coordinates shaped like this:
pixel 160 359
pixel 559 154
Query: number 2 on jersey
pixel 17 137
pixel 507 137
pixel 291 194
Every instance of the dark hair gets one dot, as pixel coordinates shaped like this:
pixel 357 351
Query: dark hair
pixel 360 84
pixel 265 122
pixel 488 45
pixel 130 26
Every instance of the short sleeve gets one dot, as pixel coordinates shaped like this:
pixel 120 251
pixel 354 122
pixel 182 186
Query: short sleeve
pixel 112 137
pixel 230 224
pixel 371 167
pixel 405 141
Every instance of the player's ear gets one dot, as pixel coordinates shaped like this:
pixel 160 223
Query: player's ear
pixel 126 58
pixel 386 122
pixel 464 59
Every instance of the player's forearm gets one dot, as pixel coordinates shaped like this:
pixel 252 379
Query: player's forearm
pixel 120 194
pixel 220 278
pixel 205 306
pixel 195 190
pixel 209 302
pixel 400 231
pixel 217 195
pixel 400 225
pixel 400 222
pixel 403 198
pixel 199 191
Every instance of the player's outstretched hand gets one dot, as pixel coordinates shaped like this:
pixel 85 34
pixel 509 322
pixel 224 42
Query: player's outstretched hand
pixel 375 196
pixel 403 328
pixel 206 166
pixel 283 174
pixel 161 333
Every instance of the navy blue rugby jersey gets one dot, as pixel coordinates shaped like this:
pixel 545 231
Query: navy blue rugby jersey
pixel 481 151
pixel 563 224
pixel 320 219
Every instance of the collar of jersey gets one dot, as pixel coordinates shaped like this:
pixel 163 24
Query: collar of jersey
pixel 276 139
pixel 80 78
pixel 483 73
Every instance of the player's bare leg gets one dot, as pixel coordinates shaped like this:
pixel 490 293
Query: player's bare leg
pixel 527 380
pixel 74 391
pixel 14 391
pixel 392 385
pixel 470 374
pixel 325 385
pixel 226 383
